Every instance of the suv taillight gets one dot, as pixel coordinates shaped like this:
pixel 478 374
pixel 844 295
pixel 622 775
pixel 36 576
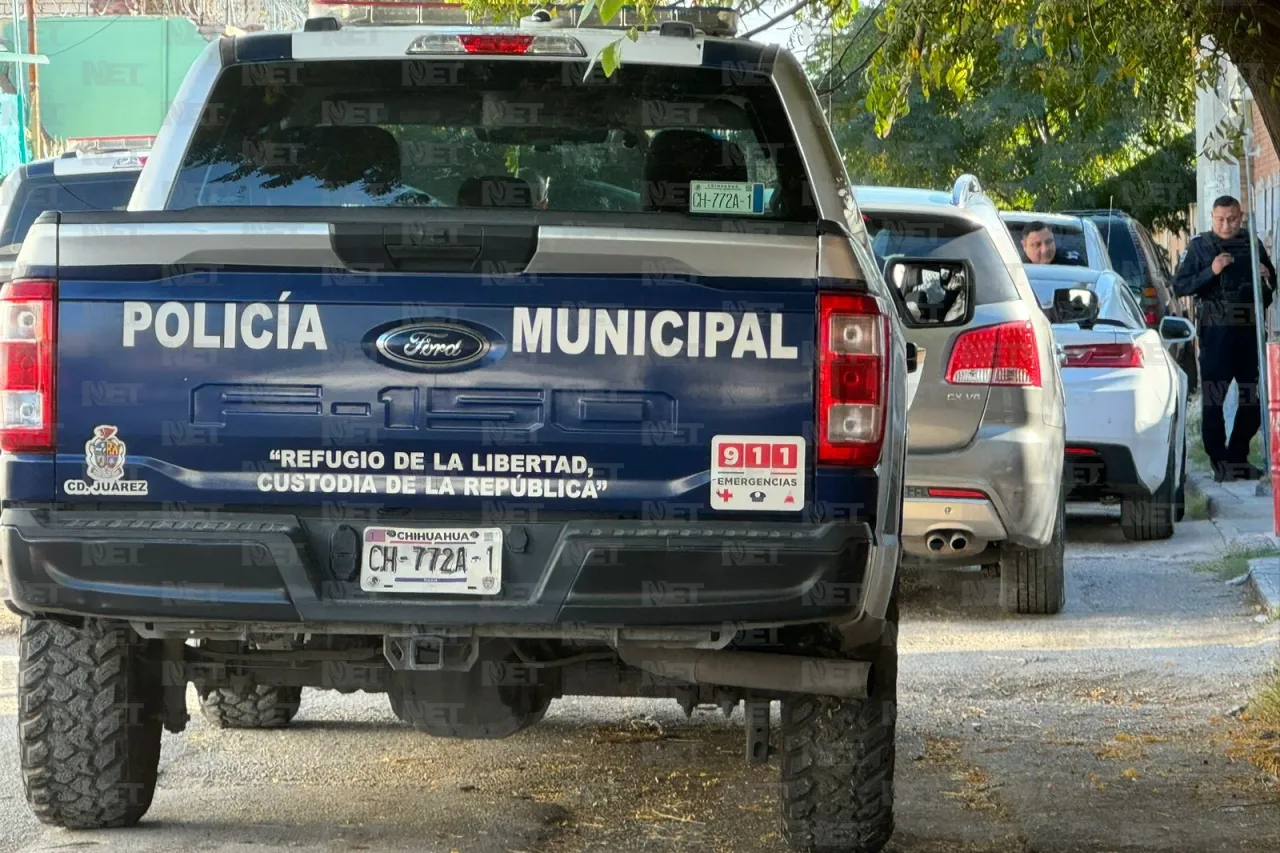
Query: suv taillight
pixel 27 329
pixel 853 378
pixel 1150 308
pixel 1007 354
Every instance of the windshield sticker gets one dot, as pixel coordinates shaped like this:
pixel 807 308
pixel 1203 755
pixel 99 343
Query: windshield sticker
pixel 726 197
pixel 759 473
pixel 104 457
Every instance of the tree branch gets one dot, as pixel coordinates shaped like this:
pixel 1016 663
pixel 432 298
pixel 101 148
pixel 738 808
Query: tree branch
pixel 778 18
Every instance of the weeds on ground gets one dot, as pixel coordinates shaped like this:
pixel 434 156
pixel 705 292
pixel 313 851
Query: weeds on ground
pixel 1257 738
pixel 1235 562
pixel 8 622
pixel 1197 503
pixel 1196 457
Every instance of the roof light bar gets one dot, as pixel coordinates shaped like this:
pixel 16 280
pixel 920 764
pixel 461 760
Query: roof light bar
pixel 711 20
pixel 501 44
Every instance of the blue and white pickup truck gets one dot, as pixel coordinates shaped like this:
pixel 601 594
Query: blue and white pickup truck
pixel 342 401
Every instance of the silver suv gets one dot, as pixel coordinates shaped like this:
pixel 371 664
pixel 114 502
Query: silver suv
pixel 987 426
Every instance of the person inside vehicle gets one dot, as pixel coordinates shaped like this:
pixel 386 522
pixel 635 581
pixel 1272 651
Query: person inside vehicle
pixel 1038 245
pixel 1218 271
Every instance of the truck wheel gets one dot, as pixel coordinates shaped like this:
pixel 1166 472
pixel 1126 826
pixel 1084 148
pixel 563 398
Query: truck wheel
pixel 89 720
pixel 258 707
pixel 837 760
pixel 492 700
pixel 1034 581
pixel 1149 519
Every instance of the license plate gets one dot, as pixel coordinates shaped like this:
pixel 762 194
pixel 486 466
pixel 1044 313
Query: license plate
pixel 432 560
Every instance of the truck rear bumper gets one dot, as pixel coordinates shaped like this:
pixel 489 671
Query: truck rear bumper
pixel 228 567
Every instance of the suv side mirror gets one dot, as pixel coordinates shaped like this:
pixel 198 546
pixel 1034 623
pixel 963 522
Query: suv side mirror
pixel 1175 330
pixel 931 292
pixel 1074 305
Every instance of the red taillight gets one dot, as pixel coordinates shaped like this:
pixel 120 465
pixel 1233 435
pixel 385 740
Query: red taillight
pixel 496 44
pixel 853 375
pixel 27 325
pixel 958 494
pixel 1104 355
pixel 1080 451
pixel 1149 310
pixel 1007 354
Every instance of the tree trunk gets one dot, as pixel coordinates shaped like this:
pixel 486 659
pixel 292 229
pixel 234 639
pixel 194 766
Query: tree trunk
pixel 1258 60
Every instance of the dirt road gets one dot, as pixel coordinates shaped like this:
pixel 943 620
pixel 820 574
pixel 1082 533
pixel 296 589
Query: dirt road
pixel 1096 730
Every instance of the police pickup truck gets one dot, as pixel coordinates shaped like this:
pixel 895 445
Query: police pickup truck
pixel 374 387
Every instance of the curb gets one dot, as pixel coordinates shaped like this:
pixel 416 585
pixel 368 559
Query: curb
pixel 1264 577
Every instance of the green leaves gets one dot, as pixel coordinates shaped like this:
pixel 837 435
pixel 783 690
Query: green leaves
pixel 1041 112
pixel 609 9
pixel 611 57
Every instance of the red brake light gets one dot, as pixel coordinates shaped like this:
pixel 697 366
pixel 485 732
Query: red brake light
pixel 27 330
pixel 496 44
pixel 1104 355
pixel 1007 354
pixel 957 494
pixel 853 377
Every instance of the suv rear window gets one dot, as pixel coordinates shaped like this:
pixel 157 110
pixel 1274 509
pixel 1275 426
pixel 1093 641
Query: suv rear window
pixel 952 238
pixel 1123 251
pixel 1072 250
pixel 495 133
pixel 21 201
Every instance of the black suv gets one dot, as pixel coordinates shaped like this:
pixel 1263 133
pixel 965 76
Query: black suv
pixel 1139 260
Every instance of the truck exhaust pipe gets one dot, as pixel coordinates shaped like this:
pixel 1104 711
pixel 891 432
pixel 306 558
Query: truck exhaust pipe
pixel 753 671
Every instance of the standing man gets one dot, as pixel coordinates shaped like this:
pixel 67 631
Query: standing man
pixel 1218 270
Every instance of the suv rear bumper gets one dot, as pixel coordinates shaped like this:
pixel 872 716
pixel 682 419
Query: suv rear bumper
pixel 281 568
pixel 1018 469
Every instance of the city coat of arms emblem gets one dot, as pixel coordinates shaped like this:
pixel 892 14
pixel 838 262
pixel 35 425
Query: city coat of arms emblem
pixel 104 454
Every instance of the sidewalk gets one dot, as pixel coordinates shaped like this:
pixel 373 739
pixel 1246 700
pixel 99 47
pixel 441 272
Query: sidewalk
pixel 1243 516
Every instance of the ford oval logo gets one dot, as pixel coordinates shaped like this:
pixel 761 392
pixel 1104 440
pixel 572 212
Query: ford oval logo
pixel 428 346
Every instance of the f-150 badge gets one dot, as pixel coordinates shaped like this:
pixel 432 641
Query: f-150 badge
pixel 104 457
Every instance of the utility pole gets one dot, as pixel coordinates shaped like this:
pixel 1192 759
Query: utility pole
pixel 33 92
pixel 1260 319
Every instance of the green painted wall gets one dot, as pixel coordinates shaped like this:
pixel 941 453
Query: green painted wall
pixel 111 76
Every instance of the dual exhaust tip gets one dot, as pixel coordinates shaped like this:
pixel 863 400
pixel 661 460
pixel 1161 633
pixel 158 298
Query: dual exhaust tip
pixel 941 541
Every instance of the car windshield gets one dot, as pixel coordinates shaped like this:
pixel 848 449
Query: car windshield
pixel 22 201
pixel 501 133
pixel 1072 250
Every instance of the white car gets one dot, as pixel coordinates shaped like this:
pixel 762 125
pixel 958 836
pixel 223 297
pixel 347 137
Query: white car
pixel 1126 397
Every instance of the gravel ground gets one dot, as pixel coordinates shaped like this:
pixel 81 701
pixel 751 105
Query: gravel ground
pixel 1100 729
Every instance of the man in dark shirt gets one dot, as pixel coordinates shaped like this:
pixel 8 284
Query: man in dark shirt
pixel 1218 270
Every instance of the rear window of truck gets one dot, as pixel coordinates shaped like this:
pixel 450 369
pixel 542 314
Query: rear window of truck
pixel 496 133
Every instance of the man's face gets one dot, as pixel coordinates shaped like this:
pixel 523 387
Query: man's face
pixel 1226 221
pixel 1039 246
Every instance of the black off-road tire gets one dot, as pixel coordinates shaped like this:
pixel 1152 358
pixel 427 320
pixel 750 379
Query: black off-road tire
pixel 1150 519
pixel 89 723
pixel 258 707
pixel 837 760
pixel 1034 581
pixel 472 705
